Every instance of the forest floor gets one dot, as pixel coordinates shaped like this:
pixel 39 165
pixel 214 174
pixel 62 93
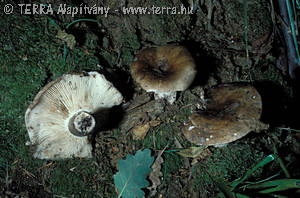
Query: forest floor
pixel 31 55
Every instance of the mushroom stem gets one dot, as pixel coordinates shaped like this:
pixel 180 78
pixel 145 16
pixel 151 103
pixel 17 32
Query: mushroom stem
pixel 169 96
pixel 81 124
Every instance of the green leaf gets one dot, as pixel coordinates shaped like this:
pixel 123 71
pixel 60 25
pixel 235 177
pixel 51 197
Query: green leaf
pixel 267 160
pixel 277 185
pixel 132 174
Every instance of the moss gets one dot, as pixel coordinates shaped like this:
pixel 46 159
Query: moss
pixel 73 177
pixel 129 44
pixel 229 162
pixel 109 56
pixel 32 56
pixel 259 20
pixel 271 74
pixel 160 137
pixel 156 136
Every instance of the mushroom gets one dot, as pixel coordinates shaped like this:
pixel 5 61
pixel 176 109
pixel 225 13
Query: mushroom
pixel 66 111
pixel 164 70
pixel 232 111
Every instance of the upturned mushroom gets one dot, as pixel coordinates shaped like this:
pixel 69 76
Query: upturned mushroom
pixel 66 111
pixel 164 70
pixel 232 111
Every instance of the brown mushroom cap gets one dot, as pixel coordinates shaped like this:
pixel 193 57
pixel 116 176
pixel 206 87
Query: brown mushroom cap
pixel 232 111
pixel 164 69
pixel 62 114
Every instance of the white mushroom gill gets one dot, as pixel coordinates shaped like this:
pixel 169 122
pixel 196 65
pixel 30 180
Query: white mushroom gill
pixel 62 114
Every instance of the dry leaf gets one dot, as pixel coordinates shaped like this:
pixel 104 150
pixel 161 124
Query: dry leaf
pixel 177 143
pixel 68 38
pixel 140 131
pixel 154 123
pixel 204 154
pixel 191 152
pixel 156 174
pixel 115 149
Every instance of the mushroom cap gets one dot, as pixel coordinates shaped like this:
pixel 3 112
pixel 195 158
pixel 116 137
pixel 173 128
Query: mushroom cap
pixel 232 111
pixel 235 101
pixel 47 118
pixel 164 69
